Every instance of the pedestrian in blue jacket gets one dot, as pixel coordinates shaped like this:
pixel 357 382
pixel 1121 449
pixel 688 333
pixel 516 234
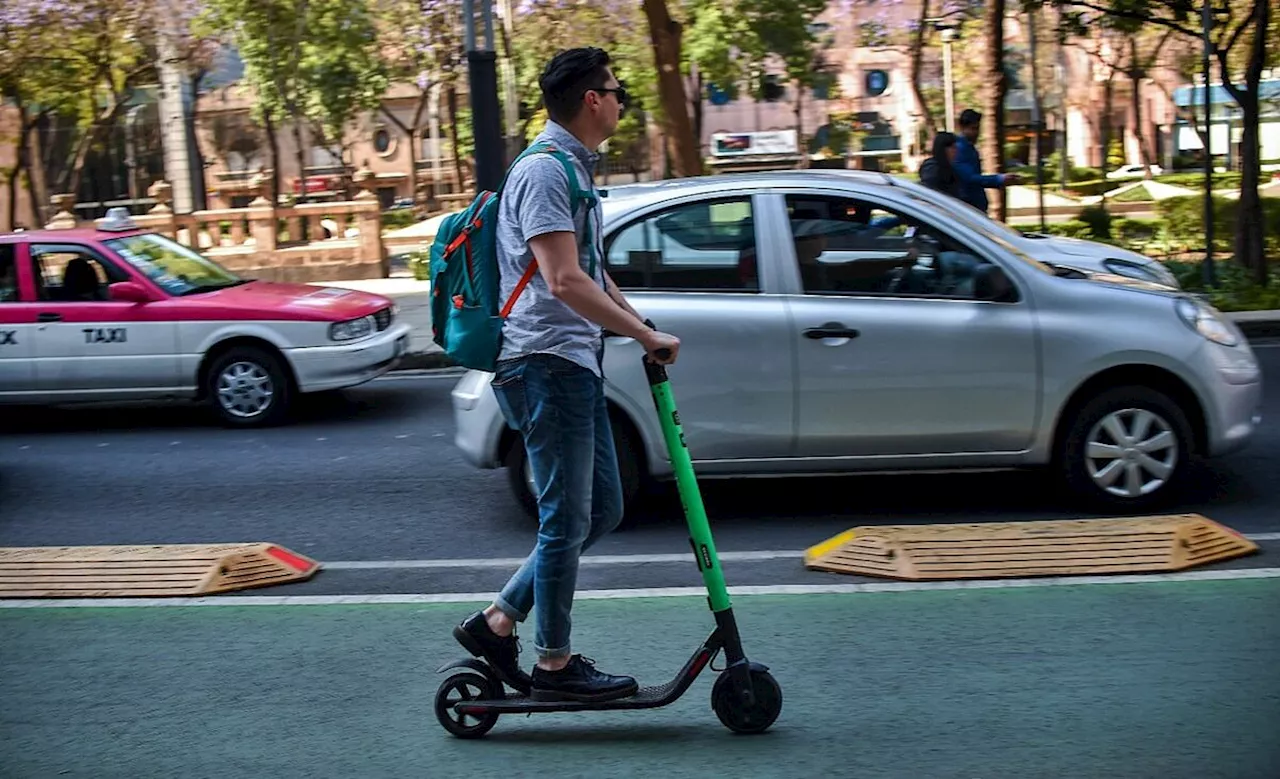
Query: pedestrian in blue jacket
pixel 968 164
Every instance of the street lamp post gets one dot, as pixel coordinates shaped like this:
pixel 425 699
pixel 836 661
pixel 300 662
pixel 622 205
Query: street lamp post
pixel 1208 268
pixel 486 124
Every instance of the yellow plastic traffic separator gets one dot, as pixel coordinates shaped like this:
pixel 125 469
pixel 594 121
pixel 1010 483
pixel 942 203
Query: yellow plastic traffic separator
pixel 180 570
pixel 1170 542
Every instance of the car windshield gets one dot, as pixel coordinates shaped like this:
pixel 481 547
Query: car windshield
pixel 175 268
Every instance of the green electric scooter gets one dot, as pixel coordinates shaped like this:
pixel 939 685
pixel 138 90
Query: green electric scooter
pixel 745 696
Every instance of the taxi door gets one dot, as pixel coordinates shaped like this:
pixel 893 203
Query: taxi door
pixel 88 344
pixel 17 327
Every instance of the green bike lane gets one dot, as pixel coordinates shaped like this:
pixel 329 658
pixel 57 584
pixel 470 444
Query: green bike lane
pixel 1154 679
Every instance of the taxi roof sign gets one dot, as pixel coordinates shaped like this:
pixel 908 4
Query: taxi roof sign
pixel 117 220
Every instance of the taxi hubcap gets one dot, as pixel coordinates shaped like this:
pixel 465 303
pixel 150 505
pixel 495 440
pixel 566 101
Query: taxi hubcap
pixel 244 389
pixel 1131 453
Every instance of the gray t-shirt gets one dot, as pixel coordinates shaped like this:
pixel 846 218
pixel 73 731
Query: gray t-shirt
pixel 535 201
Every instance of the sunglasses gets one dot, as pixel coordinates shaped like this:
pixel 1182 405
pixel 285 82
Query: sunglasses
pixel 620 91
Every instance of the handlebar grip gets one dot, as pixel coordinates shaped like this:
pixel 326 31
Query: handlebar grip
pixel 662 354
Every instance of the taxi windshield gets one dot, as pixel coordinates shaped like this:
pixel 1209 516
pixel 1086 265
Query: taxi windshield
pixel 177 269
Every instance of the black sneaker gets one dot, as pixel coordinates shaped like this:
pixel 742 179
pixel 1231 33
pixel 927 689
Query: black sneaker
pixel 580 681
pixel 503 654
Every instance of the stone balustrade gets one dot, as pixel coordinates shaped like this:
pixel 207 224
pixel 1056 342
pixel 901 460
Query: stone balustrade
pixel 327 241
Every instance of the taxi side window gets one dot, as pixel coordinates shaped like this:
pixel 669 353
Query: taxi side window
pixel 70 275
pixel 8 274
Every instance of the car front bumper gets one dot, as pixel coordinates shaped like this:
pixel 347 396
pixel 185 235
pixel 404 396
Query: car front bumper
pixel 320 368
pixel 478 421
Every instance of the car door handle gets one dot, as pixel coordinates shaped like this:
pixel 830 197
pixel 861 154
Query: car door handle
pixel 49 316
pixel 831 330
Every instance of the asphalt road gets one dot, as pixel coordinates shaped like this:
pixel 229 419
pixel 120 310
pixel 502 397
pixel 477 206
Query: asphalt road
pixel 1151 678
pixel 372 477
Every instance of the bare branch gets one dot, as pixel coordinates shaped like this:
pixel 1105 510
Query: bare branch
pixel 1136 17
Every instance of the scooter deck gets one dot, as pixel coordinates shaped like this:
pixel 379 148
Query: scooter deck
pixel 644 698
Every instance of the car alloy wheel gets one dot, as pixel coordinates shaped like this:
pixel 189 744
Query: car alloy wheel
pixel 245 390
pixel 1131 452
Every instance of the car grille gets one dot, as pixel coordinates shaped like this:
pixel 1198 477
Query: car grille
pixel 383 318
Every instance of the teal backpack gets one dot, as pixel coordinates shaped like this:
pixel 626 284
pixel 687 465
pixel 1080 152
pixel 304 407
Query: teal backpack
pixel 465 319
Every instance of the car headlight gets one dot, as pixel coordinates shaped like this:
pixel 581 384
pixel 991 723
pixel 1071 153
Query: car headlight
pixel 1155 272
pixel 1207 321
pixel 349 331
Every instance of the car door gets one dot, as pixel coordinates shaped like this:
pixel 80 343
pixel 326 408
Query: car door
pixel 87 343
pixel 17 326
pixel 692 267
pixel 896 356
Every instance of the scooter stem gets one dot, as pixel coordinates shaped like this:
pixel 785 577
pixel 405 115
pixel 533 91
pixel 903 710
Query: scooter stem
pixel 704 548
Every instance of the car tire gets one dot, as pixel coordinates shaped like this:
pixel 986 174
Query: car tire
pixel 1127 449
pixel 521 485
pixel 236 380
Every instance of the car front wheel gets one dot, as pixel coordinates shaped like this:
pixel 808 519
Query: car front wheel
pixel 248 387
pixel 1128 448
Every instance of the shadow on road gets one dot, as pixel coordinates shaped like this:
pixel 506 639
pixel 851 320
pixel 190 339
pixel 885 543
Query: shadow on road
pixel 919 498
pixel 372 403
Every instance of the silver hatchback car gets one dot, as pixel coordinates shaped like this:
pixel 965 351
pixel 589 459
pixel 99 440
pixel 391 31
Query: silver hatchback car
pixel 842 322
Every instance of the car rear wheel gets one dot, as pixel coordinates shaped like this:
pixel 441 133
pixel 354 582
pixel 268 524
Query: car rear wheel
pixel 248 387
pixel 1128 448
pixel 520 477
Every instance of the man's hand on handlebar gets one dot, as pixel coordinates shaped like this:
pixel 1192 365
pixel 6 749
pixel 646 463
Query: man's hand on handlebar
pixel 662 347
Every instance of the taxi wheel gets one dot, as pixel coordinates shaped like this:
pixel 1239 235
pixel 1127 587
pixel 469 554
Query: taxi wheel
pixel 248 387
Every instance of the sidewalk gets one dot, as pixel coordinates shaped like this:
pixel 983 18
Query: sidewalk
pixel 412 296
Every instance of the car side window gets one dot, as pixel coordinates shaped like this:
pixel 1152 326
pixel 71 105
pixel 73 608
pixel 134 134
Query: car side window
pixel 847 246
pixel 8 274
pixel 71 275
pixel 708 245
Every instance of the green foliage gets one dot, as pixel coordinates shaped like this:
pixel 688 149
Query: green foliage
pixel 311 59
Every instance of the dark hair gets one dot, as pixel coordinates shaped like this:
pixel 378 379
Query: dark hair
pixel 942 142
pixel 970 118
pixel 567 78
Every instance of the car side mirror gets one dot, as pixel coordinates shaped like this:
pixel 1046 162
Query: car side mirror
pixel 129 292
pixel 990 282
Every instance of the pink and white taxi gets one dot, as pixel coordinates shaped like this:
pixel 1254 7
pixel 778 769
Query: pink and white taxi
pixel 119 313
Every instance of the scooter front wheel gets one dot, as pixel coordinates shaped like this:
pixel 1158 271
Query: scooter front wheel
pixel 465 686
pixel 739 716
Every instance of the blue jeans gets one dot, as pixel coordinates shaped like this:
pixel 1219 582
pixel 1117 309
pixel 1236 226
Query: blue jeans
pixel 559 409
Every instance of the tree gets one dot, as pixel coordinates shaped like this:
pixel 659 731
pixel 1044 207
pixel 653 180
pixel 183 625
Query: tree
pixel 785 31
pixel 1247 25
pixel 38 82
pixel 665 34
pixel 422 45
pixel 310 62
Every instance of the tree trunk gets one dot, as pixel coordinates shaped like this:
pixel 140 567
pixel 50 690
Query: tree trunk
pixel 274 143
pixel 696 104
pixel 101 124
pixel 800 144
pixel 199 189
pixel 997 88
pixel 1249 226
pixel 917 59
pixel 451 100
pixel 37 186
pixel 301 155
pixel 664 34
pixel 1108 102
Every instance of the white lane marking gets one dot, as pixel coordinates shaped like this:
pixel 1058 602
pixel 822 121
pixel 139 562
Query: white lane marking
pixel 439 373
pixel 514 562
pixel 605 559
pixel 652 592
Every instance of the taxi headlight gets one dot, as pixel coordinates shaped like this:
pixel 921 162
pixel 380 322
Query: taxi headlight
pixel 349 331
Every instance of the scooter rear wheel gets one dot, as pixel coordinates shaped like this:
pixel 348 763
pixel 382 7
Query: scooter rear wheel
pixel 741 717
pixel 465 686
